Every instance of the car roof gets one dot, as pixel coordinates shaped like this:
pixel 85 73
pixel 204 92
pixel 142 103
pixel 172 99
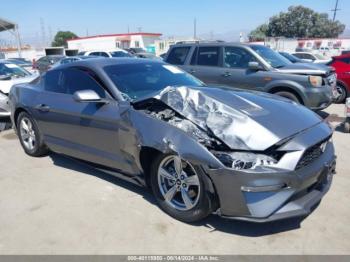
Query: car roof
pixel 213 43
pixel 97 63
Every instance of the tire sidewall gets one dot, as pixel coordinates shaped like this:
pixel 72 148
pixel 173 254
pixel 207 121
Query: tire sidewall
pixel 201 210
pixel 289 96
pixel 37 150
pixel 342 97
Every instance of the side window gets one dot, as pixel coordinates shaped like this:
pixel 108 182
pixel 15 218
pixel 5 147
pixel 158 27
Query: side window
pixel 104 54
pixel 178 55
pixel 308 56
pixel 76 80
pixel 235 57
pixel 194 57
pixel 54 81
pixel 208 56
pixel 345 60
pixel 96 53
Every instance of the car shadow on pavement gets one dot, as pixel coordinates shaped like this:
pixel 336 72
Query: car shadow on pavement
pixel 250 229
pixel 81 167
pixel 213 222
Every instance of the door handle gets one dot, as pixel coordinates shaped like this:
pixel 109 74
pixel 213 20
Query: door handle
pixel 42 108
pixel 192 71
pixel 226 74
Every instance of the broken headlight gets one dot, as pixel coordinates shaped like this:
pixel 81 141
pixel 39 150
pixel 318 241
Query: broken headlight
pixel 244 160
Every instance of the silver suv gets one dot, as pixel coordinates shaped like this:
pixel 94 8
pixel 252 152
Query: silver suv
pixel 256 67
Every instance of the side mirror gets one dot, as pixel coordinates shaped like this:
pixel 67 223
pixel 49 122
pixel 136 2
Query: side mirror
pixel 88 96
pixel 255 66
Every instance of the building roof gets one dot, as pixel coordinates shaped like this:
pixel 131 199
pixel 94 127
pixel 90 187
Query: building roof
pixel 115 35
pixel 6 25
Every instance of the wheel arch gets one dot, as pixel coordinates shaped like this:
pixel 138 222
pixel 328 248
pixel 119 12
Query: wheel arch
pixel 289 89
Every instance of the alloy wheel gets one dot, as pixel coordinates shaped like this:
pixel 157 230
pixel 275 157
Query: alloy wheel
pixel 178 183
pixel 27 133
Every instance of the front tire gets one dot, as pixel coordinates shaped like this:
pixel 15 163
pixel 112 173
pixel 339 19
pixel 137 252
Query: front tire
pixel 289 95
pixel 342 93
pixel 29 136
pixel 179 188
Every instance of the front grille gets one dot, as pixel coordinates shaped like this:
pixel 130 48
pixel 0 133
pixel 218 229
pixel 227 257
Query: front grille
pixel 311 154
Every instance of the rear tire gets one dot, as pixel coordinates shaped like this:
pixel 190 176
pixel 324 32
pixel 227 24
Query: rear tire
pixel 342 93
pixel 347 127
pixel 289 95
pixel 29 136
pixel 185 202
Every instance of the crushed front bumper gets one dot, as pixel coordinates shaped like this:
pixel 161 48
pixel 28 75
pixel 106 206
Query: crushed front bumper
pixel 268 195
pixel 303 203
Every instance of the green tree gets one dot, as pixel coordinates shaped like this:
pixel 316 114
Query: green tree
pixel 301 22
pixel 61 38
pixel 259 33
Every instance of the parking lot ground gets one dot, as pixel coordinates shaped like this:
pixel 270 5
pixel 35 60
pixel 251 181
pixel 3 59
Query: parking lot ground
pixel 56 205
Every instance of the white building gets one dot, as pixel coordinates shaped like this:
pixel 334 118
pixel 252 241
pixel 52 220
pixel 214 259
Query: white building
pixel 105 42
pixel 162 45
pixel 333 46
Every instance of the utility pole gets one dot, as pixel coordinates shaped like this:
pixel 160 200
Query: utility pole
pixel 43 33
pixel 335 10
pixel 195 29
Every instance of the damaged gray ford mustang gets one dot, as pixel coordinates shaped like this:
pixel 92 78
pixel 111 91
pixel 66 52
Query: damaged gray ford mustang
pixel 202 150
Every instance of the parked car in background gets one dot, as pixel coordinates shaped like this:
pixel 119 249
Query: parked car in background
pixel 72 59
pixel 147 55
pixel 11 74
pixel 200 149
pixel 293 58
pixel 135 50
pixel 342 67
pixel 45 63
pixel 22 63
pixel 312 57
pixel 116 53
pixel 256 67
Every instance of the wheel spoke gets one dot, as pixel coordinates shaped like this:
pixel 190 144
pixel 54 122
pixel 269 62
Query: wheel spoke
pixel 30 141
pixel 186 198
pixel 166 174
pixel 25 126
pixel 170 194
pixel 25 135
pixel 192 180
pixel 178 165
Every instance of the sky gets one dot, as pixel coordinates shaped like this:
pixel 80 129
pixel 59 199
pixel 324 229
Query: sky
pixel 171 18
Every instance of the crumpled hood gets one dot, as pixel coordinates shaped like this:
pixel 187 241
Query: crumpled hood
pixel 242 120
pixel 5 85
pixel 306 69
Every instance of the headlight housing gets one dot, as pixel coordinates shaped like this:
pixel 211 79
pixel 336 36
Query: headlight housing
pixel 316 81
pixel 245 160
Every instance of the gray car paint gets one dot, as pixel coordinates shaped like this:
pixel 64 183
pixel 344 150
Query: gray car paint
pixel 293 78
pixel 114 135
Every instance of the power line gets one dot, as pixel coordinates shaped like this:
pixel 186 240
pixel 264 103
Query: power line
pixel 335 10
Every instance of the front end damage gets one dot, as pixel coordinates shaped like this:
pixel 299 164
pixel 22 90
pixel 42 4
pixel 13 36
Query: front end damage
pixel 262 165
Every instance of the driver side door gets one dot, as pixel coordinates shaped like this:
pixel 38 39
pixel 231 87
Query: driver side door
pixel 85 130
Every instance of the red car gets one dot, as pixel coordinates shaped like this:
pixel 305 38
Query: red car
pixel 342 68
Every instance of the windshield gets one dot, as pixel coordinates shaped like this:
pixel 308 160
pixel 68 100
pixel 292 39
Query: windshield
pixel 137 80
pixel 12 70
pixel 290 57
pixel 120 54
pixel 273 58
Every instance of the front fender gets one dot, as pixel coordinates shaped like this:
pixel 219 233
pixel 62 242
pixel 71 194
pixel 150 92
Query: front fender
pixel 287 84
